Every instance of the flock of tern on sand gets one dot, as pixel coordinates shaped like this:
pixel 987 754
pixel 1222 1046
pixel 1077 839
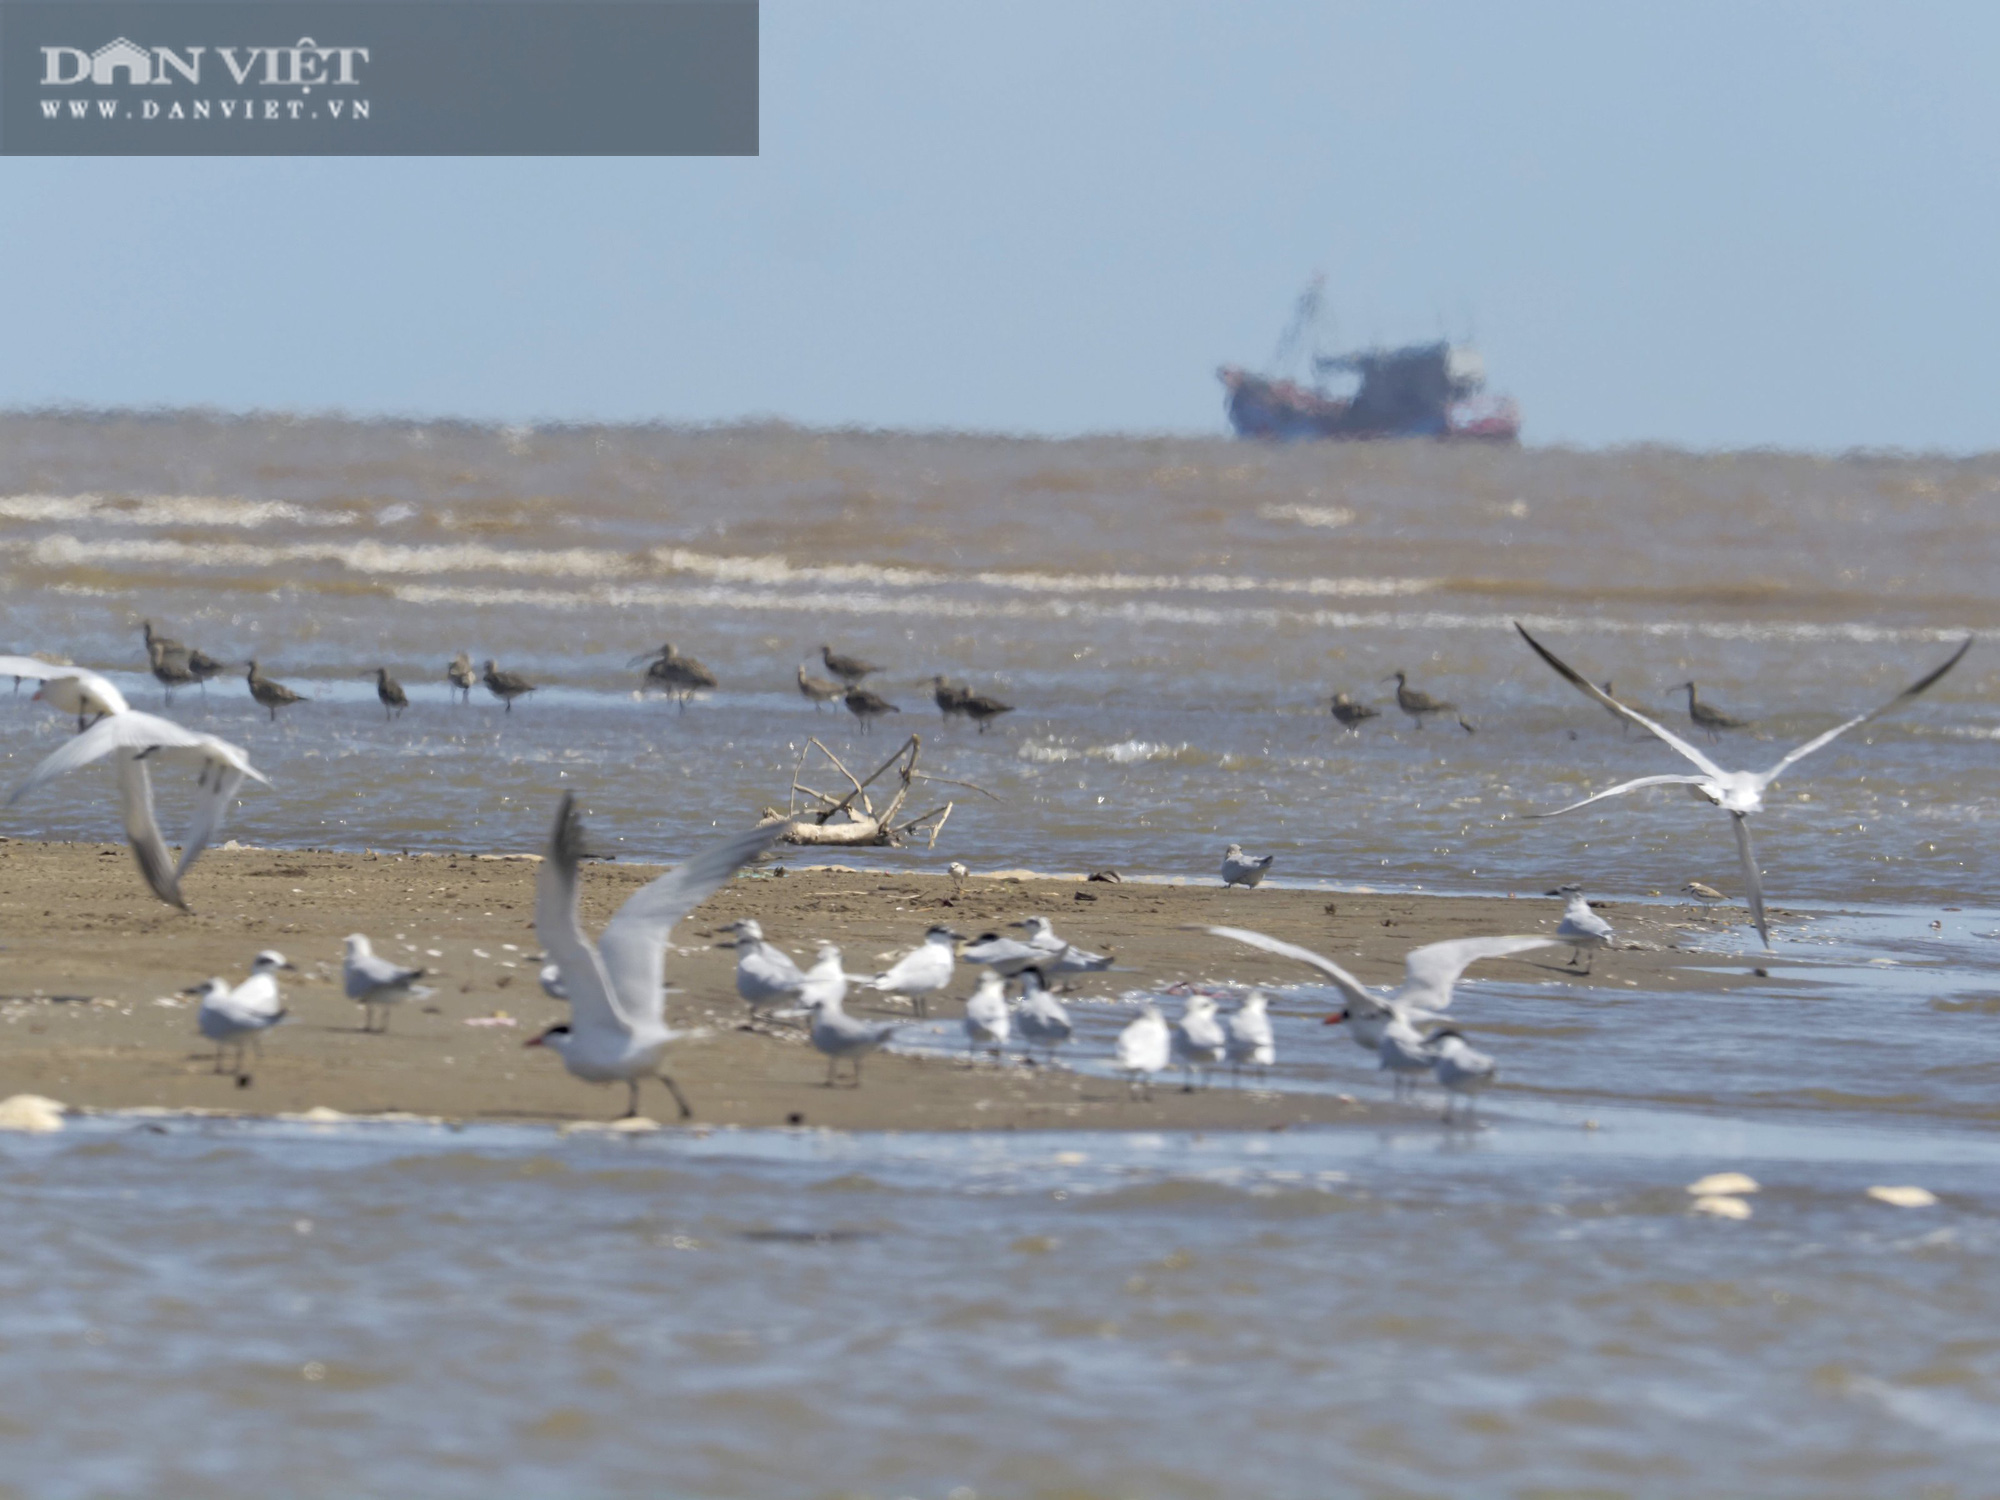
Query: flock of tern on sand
pixel 615 986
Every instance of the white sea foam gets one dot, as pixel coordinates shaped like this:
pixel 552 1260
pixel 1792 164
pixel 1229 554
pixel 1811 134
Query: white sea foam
pixel 1124 753
pixel 1309 515
pixel 170 510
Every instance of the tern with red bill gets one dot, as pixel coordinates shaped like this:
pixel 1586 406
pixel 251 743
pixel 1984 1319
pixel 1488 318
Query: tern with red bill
pixel 617 1030
pixel 1738 793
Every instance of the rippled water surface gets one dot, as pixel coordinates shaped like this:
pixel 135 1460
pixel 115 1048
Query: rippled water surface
pixel 1170 619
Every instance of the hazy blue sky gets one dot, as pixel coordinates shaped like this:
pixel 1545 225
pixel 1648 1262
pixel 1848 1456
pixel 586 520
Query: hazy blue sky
pixel 1709 224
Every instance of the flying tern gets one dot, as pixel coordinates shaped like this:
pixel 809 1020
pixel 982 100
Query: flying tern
pixel 617 1029
pixel 136 739
pixel 1429 973
pixel 1738 793
pixel 68 690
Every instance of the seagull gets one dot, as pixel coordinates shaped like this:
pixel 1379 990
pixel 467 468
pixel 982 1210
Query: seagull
pixel 1738 793
pixel 1463 1071
pixel 986 1014
pixel 1429 973
pixel 867 706
pixel 834 1032
pixel 1198 1040
pixel 1353 715
pixel 983 710
pixel 237 1017
pixel 1581 927
pixel 679 675
pixel 461 676
pixel 1707 716
pixel 68 690
pixel 765 973
pixel 1041 1017
pixel 506 686
pixel 1403 1054
pixel 139 738
pixel 1417 704
pixel 923 971
pixel 818 690
pixel 1239 868
pixel 273 695
pixel 617 1028
pixel 949 697
pixel 1144 1048
pixel 1054 956
pixel 375 983
pixel 390 691
pixel 1250 1039
pixel 849 669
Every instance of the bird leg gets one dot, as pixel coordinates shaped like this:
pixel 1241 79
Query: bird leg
pixel 632 1107
pixel 831 1064
pixel 687 1109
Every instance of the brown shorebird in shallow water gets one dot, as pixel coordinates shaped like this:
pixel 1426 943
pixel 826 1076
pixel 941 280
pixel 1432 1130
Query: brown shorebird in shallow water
pixel 867 706
pixel 1417 704
pixel 1353 715
pixel 273 695
pixel 461 676
pixel 390 691
pixel 949 697
pixel 849 669
pixel 506 686
pixel 818 690
pixel 983 710
pixel 681 676
pixel 170 665
pixel 1708 717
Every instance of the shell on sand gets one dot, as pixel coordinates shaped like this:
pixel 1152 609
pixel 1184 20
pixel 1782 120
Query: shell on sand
pixel 1723 1185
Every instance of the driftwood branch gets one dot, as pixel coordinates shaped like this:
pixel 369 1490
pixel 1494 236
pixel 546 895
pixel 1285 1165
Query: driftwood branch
pixel 852 819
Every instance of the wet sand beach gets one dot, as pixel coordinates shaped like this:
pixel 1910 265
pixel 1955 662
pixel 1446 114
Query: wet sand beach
pixel 89 960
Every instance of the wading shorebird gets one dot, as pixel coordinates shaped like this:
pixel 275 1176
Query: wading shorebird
pixel 949 697
pixel 1417 704
pixel 272 695
pixel 394 700
pixel 461 676
pixel 1706 716
pixel 506 686
pixel 1353 715
pixel 983 710
pixel 849 669
pixel 817 690
pixel 679 676
pixel 169 666
pixel 867 706
pixel 1738 793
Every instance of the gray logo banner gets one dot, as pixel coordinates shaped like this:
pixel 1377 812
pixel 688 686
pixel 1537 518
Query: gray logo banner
pixel 379 78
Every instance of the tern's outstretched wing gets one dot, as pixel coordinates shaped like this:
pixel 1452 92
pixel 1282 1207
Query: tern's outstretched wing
pixel 142 829
pixel 1591 690
pixel 1621 789
pixel 634 943
pixel 1429 972
pixel 28 666
pixel 593 1005
pixel 130 730
pixel 1794 756
pixel 1352 988
pixel 1752 881
pixel 219 786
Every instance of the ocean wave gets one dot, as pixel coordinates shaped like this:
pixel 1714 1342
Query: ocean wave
pixel 170 510
pixel 1309 515
pixel 1124 753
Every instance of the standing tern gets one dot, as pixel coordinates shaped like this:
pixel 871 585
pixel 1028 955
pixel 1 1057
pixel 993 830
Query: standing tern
pixel 68 690
pixel 1580 927
pixel 1144 1048
pixel 1404 1055
pixel 1198 1041
pixel 374 983
pixel 1463 1071
pixel 238 1017
pixel 765 973
pixel 136 738
pixel 986 1015
pixel 834 1032
pixel 617 1029
pixel 1243 869
pixel 1429 973
pixel 1738 793
pixel 1040 1016
pixel 923 971
pixel 1250 1039
pixel 1056 956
